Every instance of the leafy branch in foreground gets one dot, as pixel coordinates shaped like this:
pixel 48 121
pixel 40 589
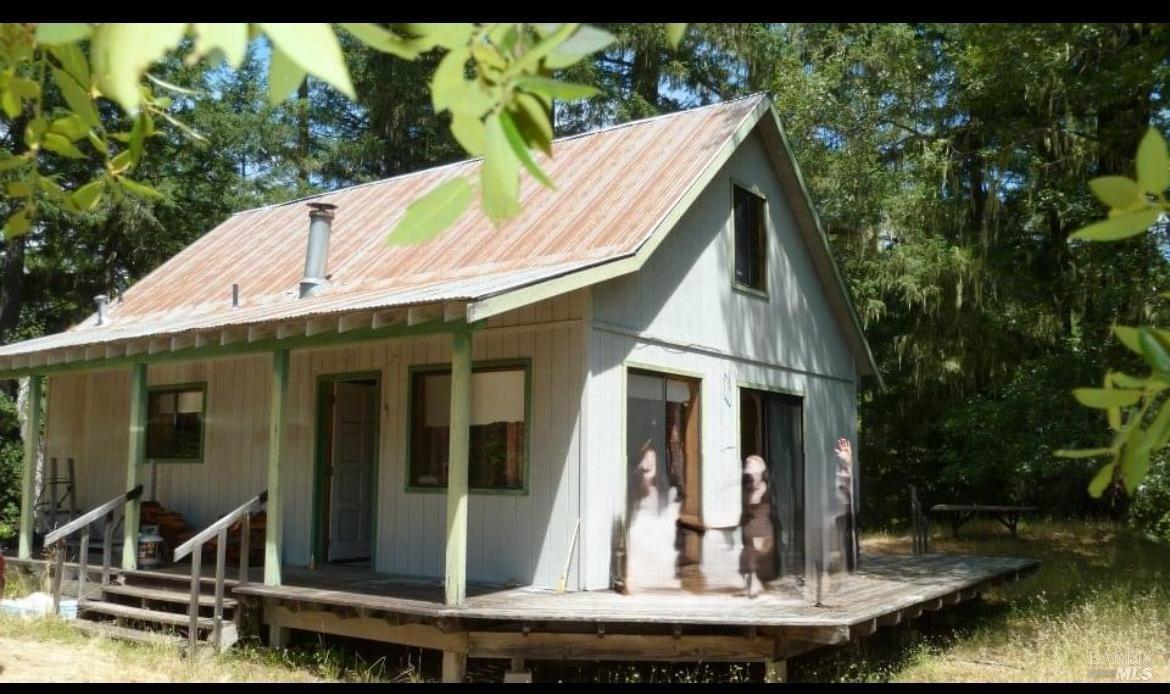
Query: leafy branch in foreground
pixel 502 112
pixel 1136 408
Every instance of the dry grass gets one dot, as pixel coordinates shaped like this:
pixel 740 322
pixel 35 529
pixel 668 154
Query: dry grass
pixel 1100 596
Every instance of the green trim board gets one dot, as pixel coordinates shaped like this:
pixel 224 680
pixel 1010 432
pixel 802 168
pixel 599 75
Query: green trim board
pixel 135 457
pixel 484 365
pixel 320 520
pixel 32 446
pixel 328 339
pixel 274 507
pixel 201 386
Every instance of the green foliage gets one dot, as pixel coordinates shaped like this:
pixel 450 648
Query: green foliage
pixel 1134 207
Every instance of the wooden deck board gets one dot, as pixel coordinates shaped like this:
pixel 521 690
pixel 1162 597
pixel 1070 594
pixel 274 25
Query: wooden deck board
pixel 883 584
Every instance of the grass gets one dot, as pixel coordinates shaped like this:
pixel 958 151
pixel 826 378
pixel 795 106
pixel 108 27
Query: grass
pixel 1100 598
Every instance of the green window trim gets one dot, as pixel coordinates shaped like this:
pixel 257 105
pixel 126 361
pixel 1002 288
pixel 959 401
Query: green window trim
pixel 524 363
pixel 762 292
pixel 201 386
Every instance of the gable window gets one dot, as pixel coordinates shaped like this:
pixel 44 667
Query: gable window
pixel 499 427
pixel 174 425
pixel 751 239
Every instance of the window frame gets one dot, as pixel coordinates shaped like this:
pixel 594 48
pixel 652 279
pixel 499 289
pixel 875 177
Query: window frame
pixel 201 386
pixel 521 363
pixel 751 189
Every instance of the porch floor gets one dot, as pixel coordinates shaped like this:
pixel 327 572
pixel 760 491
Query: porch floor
pixel 883 584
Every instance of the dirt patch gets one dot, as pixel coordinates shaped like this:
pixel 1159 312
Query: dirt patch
pixel 26 660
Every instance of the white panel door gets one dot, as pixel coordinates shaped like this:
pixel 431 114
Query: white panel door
pixel 351 503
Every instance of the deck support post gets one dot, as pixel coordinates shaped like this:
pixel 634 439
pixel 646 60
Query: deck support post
pixel 273 532
pixel 516 674
pixel 32 446
pixel 454 666
pixel 776 671
pixel 458 444
pixel 278 636
pixel 135 458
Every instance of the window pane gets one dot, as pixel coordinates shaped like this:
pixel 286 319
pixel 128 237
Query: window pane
pixel 749 238
pixel 497 434
pixel 174 426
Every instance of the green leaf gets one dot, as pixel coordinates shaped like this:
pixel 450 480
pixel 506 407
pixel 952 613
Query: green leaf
pixel 1116 191
pixel 10 103
pixel 60 144
pixel 448 82
pixel 315 49
pixel 1135 462
pixel 122 52
pixel 446 34
pixel 227 41
pixel 35 130
pixel 79 101
pixel 71 126
pixel 1159 430
pixel 500 174
pixel 1120 227
pixel 1101 480
pixel 284 77
pixel 585 41
pixel 138 136
pixel 53 191
pixel 556 89
pixel 521 150
pixel 18 223
pixel 9 162
pixel 1083 452
pixel 139 189
pixel 381 39
pixel 1104 398
pixel 675 33
pixel 534 123
pixel 432 213
pixel 17 189
pixel 74 62
pixel 98 143
pixel 87 196
pixel 1154 350
pixel 1153 164
pixel 25 89
pixel 50 33
pixel 470 133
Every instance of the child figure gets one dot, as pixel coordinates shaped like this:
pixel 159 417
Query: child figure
pixel 758 523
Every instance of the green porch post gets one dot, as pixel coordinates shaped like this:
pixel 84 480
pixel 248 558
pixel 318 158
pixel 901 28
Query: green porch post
pixel 458 445
pixel 273 538
pixel 32 445
pixel 135 457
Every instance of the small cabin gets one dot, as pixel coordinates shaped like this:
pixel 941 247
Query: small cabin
pixel 544 422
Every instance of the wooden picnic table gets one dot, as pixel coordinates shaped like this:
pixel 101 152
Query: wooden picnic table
pixel 1009 516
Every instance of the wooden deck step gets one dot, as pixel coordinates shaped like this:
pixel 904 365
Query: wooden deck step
pixel 126 633
pixel 140 614
pixel 164 595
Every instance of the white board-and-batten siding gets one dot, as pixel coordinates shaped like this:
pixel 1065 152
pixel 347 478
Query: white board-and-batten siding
pixel 512 538
pixel 680 314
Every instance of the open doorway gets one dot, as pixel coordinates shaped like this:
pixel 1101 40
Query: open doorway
pixel 347 463
pixel 663 515
pixel 772 427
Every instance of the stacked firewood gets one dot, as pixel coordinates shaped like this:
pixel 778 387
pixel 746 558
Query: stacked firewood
pixel 255 541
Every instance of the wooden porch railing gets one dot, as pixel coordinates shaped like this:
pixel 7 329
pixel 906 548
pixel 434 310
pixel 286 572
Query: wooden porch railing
pixel 81 523
pixel 194 547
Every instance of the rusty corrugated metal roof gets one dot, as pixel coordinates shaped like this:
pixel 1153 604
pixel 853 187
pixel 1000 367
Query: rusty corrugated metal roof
pixel 613 188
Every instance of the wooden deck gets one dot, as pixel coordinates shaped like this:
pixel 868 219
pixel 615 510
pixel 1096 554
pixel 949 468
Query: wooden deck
pixel 499 622
pixel 882 585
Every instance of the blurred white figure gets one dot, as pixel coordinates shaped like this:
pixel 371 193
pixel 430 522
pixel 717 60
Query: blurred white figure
pixel 651 557
pixel 758 522
pixel 842 506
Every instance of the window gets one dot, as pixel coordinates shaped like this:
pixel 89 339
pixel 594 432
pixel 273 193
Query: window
pixel 499 427
pixel 174 426
pixel 751 239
